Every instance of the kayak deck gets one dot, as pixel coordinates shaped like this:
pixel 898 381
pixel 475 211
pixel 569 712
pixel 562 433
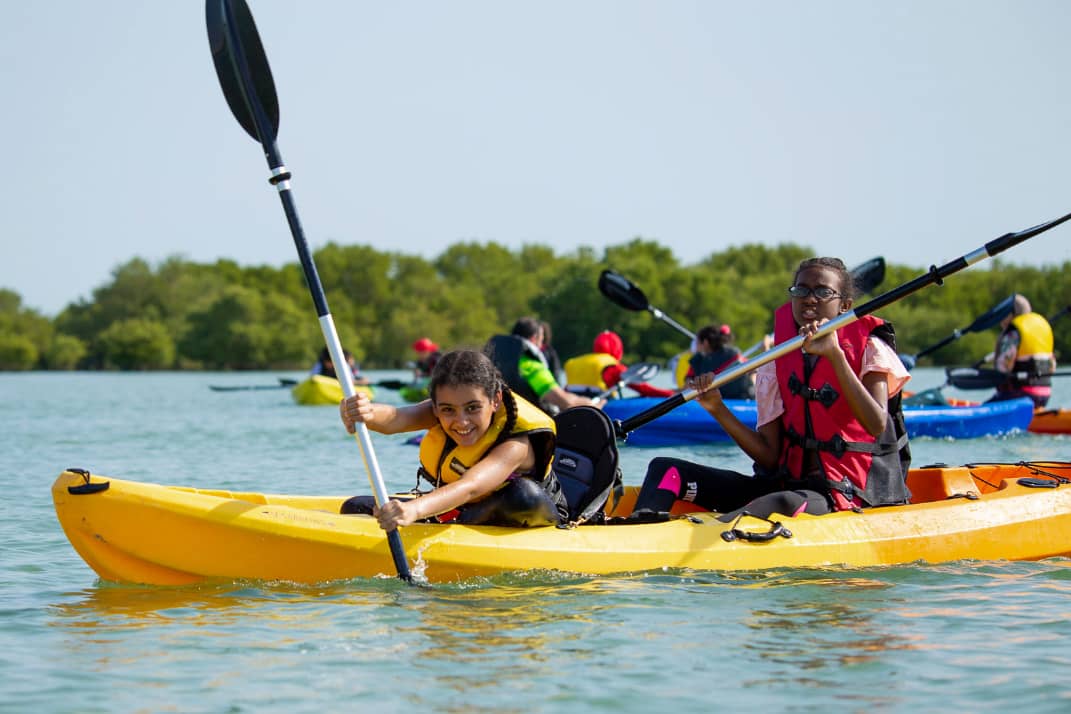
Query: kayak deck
pixel 147 533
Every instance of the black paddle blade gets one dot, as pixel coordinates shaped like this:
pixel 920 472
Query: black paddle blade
pixel 1057 315
pixel 993 317
pixel 983 322
pixel 868 275
pixel 242 67
pixel 392 383
pixel 970 378
pixel 621 291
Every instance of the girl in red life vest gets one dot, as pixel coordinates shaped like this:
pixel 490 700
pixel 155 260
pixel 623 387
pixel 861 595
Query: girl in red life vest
pixel 829 431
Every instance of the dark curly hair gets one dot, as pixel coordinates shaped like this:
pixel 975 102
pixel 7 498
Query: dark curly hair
pixel 465 367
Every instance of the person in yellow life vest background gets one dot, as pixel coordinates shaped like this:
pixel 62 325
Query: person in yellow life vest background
pixel 487 453
pixel 715 352
pixel 520 358
pixel 1024 352
pixel 601 369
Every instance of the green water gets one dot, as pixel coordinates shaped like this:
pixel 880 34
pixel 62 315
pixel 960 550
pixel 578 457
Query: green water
pixel 969 636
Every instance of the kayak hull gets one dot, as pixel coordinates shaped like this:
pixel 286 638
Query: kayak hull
pixel 146 533
pixel 1051 421
pixel 318 390
pixel 415 391
pixel 691 424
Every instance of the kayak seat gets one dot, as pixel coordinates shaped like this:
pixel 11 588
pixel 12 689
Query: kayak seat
pixel 930 484
pixel 585 472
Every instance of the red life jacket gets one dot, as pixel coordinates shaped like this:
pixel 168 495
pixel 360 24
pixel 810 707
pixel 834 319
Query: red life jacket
pixel 857 468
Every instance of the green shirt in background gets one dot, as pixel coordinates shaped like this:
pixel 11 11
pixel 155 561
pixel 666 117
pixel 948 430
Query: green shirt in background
pixel 538 376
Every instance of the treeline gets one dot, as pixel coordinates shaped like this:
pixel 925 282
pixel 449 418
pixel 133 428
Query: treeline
pixel 185 315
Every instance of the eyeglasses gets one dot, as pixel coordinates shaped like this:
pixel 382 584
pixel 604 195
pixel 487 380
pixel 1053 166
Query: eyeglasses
pixel 822 292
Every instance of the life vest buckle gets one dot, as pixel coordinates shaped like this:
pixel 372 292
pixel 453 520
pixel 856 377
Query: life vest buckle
pixel 826 395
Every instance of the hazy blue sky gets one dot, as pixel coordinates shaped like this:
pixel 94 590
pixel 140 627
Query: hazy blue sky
pixel 915 130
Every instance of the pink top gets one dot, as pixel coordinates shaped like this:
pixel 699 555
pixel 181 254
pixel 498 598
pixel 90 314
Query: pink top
pixel 877 357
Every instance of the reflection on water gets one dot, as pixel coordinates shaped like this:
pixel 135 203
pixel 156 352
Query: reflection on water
pixel 503 643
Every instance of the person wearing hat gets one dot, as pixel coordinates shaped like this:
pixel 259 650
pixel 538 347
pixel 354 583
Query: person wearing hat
pixel 428 354
pixel 715 352
pixel 601 369
pixel 1024 353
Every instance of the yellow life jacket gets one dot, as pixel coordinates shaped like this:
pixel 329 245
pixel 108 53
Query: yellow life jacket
pixel 680 370
pixel 443 461
pixel 1035 336
pixel 586 370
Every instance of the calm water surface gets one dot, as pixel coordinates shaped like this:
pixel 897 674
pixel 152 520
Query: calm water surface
pixel 970 636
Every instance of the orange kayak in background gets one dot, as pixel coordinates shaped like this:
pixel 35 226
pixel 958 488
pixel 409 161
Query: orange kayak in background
pixel 1051 421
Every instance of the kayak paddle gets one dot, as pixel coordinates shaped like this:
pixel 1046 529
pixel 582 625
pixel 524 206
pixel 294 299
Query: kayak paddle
pixel 982 323
pixel 246 80
pixel 935 275
pixel 622 291
pixel 868 275
pixel 393 383
pixel 639 372
pixel 974 378
pixel 284 383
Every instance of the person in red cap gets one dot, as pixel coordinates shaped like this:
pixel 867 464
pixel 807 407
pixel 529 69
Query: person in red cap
pixel 427 355
pixel 601 369
pixel 715 352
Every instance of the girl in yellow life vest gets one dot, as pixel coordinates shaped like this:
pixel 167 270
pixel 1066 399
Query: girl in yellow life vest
pixel 487 452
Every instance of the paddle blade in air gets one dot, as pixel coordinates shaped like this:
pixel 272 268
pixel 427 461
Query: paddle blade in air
pixel 242 67
pixel 869 275
pixel 620 290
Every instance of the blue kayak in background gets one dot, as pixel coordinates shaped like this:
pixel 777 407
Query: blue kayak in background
pixel 691 424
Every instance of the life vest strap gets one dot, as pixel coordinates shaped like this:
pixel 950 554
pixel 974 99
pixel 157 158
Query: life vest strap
pixel 837 445
pixel 826 395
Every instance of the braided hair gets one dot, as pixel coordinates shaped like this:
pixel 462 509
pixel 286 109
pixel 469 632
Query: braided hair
pixel 472 368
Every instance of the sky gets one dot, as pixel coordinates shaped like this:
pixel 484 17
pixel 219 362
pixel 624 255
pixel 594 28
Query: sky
pixel 917 130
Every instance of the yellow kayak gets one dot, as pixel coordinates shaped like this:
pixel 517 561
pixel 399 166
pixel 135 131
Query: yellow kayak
pixel 318 390
pixel 167 535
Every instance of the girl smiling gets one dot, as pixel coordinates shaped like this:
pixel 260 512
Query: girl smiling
pixel 487 452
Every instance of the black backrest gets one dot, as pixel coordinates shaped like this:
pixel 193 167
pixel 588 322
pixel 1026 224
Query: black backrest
pixel 586 462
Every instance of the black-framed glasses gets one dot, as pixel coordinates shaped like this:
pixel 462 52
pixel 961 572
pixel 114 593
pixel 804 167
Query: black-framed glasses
pixel 821 292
